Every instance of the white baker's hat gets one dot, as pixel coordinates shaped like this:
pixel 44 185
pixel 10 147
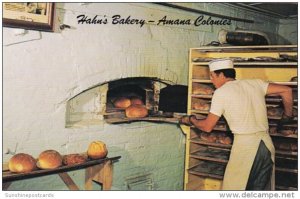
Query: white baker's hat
pixel 219 64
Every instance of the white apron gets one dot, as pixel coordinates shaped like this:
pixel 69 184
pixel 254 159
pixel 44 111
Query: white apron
pixel 242 156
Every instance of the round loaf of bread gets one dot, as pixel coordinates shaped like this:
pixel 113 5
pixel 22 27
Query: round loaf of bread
pixel 274 111
pixel 284 146
pixel 122 102
pixel 273 130
pixel 49 159
pixel 208 137
pixel 136 111
pixel 72 159
pixel 294 146
pixel 22 163
pixel 136 101
pixel 225 140
pixel 97 150
pixel 201 89
pixel 287 132
pixel 201 106
pixel 295 112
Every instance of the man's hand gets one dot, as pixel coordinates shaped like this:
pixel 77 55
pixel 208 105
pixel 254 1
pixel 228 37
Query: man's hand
pixel 186 120
pixel 284 121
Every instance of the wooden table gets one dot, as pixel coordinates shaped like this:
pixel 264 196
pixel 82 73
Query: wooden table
pixel 99 171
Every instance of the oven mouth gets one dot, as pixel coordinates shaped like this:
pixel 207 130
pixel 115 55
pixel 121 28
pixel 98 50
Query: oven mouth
pixel 164 101
pixel 153 95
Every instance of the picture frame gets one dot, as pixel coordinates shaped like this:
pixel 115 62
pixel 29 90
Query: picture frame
pixel 32 16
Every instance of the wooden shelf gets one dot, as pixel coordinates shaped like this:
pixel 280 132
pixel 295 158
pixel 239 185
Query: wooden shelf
pixel 278 118
pixel 272 48
pixel 199 111
pixel 199 141
pixel 277 187
pixel 9 176
pixel 278 100
pixel 216 128
pixel 211 154
pixel 206 81
pixel 282 152
pixel 286 180
pixel 286 170
pixel 286 125
pixel 240 64
pixel 286 164
pixel 290 158
pixel 286 136
pixel 275 64
pixel 286 83
pixel 201 96
pixel 211 170
pixel 172 120
pixel 268 99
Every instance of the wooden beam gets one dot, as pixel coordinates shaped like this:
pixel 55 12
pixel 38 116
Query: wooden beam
pixel 68 181
pixel 107 175
pixel 6 185
pixel 88 185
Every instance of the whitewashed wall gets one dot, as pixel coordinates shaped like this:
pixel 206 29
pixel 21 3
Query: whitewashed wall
pixel 42 71
pixel 288 31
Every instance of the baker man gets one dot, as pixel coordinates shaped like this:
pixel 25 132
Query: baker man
pixel 242 103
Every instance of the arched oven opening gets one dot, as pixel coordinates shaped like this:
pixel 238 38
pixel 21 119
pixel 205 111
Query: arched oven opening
pixel 125 94
pixel 161 100
pixel 140 88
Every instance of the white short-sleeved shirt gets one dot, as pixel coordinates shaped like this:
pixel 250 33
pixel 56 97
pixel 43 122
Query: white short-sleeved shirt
pixel 242 102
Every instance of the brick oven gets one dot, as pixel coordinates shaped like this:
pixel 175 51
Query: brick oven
pixel 165 102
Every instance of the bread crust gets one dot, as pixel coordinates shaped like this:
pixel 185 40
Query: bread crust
pixel 136 101
pixel 49 159
pixel 72 159
pixel 97 150
pixel 22 163
pixel 122 102
pixel 136 111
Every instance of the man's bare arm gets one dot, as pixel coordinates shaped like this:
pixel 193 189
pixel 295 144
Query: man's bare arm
pixel 286 94
pixel 207 124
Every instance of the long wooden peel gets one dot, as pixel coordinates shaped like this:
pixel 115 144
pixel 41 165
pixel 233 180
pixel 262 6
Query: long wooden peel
pixel 172 120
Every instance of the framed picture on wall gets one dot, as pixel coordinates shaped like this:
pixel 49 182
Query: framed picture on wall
pixel 34 16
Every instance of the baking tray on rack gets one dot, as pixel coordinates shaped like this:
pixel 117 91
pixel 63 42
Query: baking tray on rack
pixel 208 169
pixel 211 154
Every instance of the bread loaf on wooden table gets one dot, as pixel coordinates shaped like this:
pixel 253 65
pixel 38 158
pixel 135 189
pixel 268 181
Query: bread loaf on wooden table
pixel 97 150
pixel 72 159
pixel 22 163
pixel 49 159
